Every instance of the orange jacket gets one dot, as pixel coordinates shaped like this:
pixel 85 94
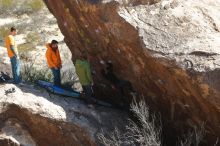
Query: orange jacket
pixel 53 57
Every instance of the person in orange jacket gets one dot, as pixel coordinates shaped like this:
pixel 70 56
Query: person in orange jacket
pixel 13 55
pixel 54 61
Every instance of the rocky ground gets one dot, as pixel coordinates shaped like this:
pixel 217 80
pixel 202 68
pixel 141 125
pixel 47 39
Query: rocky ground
pixel 30 116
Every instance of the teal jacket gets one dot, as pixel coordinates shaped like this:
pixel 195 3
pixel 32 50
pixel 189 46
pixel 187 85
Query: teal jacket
pixel 83 70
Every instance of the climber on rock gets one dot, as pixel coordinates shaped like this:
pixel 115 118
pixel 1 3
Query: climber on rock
pixel 13 55
pixel 116 83
pixel 54 61
pixel 83 70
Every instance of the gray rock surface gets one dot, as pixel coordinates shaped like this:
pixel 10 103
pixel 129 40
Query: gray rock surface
pixel 187 31
pixel 20 110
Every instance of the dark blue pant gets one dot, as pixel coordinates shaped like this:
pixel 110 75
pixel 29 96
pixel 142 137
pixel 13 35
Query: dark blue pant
pixel 56 76
pixel 87 90
pixel 88 93
pixel 15 65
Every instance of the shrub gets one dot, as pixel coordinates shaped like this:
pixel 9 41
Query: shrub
pixel 145 134
pixel 6 4
pixel 21 6
pixel 193 138
pixel 25 56
pixel 35 5
pixel 33 37
pixel 4 31
pixel 24 48
pixel 31 74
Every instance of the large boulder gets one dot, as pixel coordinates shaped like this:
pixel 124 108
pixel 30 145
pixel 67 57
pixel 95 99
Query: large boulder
pixel 30 116
pixel 183 31
pixel 150 43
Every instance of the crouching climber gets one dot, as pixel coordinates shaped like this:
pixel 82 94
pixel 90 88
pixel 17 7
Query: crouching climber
pixel 54 61
pixel 117 84
pixel 83 71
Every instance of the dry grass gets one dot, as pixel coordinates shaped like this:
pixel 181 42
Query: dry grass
pixel 144 133
pixel 21 6
pixel 35 5
pixel 32 74
pixel 7 4
pixel 4 31
pixel 33 37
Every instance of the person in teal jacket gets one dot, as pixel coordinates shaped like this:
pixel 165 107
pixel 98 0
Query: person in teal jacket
pixel 83 70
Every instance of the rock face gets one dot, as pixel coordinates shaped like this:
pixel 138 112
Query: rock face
pixel 186 32
pixel 32 117
pixel 180 30
pixel 135 37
